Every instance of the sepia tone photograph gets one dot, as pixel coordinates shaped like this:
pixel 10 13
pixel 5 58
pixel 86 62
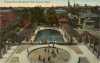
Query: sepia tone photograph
pixel 49 31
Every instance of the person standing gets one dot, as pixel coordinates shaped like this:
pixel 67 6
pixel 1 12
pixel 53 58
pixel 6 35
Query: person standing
pixel 39 58
pixel 27 51
pixel 79 60
pixel 44 60
pixel 53 44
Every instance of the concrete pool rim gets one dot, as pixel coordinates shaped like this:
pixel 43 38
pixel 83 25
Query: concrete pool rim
pixel 51 28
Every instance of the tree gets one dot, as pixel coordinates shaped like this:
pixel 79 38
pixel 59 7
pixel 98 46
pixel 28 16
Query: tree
pixel 52 17
pixel 37 15
pixel 3 38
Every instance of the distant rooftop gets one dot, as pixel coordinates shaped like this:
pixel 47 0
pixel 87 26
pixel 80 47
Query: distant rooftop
pixel 60 10
pixel 5 10
pixel 88 14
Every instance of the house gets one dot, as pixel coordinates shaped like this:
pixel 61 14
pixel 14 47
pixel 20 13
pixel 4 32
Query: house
pixel 6 17
pixel 89 20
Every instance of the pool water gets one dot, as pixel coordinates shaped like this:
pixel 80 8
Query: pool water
pixel 49 35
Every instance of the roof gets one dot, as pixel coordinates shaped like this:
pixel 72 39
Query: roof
pixel 5 10
pixel 89 20
pixel 60 10
pixel 88 14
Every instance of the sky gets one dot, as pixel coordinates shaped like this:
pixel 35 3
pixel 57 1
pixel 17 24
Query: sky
pixel 81 2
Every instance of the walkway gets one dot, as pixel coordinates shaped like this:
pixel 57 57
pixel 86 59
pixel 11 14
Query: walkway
pixel 21 55
pixel 7 56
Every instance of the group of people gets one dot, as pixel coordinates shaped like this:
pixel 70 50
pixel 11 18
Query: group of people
pixel 51 53
pixel 51 43
pixel 44 60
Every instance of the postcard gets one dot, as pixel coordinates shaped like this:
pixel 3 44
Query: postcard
pixel 49 31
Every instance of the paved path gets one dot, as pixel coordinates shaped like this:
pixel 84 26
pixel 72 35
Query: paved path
pixel 23 58
pixel 8 55
pixel 88 54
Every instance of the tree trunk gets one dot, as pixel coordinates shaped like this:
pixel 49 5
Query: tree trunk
pixel 5 50
pixel 0 53
pixel 98 53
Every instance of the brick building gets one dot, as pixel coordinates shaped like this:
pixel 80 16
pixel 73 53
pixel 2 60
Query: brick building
pixel 6 16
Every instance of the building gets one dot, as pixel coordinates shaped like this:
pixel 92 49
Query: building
pixel 6 17
pixel 89 20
